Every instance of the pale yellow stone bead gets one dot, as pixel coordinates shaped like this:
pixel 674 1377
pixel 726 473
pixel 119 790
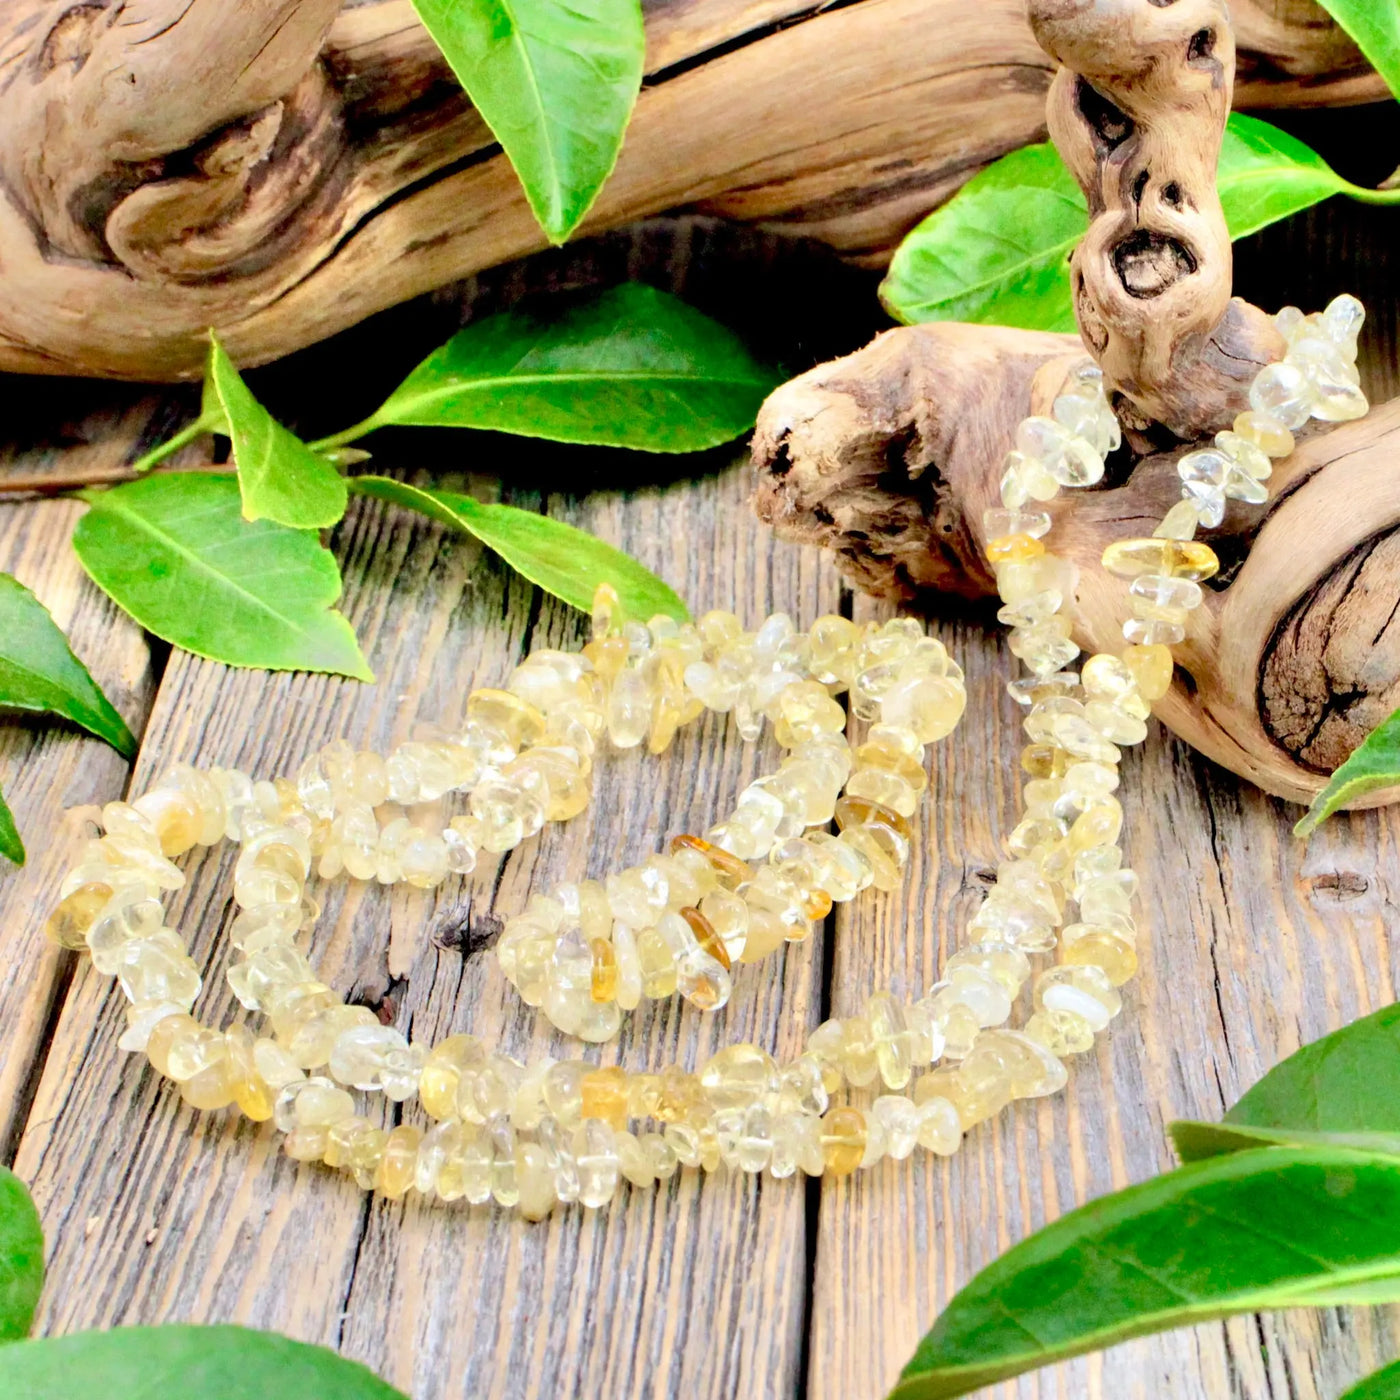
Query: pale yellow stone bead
pixel 398 1162
pixel 843 1138
pixel 254 1095
pixel 597 1162
pixel 607 611
pixel 1099 946
pixel 212 1088
pixel 1098 825
pixel 1084 991
pixel 1269 434
pixel 1025 1064
pixel 564 781
pixel 1151 668
pixel 628 992
pixel 177 819
pixel 1061 1032
pixel 75 914
pixel 604 1095
pixel 930 706
pixel 163 1035
pixel 804 710
pixel 191 1050
pixel 738 1076
pixel 939 1127
pixel 883 850
pixel 1180 522
pixel 1175 558
pixel 658 966
pixel 534 1178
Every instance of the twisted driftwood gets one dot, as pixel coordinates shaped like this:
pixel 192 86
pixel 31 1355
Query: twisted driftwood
pixel 280 169
pixel 891 455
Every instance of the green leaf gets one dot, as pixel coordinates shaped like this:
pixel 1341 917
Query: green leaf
pixel 38 670
pixel 566 562
pixel 175 552
pixel 1195 1142
pixel 184 1363
pixel 21 1259
pixel 280 477
pixel 556 82
pixel 10 843
pixel 1344 1089
pixel 1347 1082
pixel 998 251
pixel 1373 764
pixel 1375 26
pixel 1275 1227
pixel 630 368
pixel 1379 1385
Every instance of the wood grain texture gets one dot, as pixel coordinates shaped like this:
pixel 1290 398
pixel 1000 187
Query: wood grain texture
pixel 48 765
pixel 693 1291
pixel 283 168
pixel 747 1290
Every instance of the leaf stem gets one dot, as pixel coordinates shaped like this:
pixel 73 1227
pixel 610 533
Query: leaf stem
pixel 350 434
pixel 205 423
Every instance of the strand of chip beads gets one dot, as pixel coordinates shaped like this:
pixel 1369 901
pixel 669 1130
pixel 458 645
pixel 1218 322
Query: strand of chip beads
pixel 530 1137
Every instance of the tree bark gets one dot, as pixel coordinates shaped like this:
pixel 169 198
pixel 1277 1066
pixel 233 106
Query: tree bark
pixel 280 169
pixel 891 455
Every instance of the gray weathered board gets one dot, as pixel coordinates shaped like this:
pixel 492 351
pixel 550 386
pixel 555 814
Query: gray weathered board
pixel 726 1288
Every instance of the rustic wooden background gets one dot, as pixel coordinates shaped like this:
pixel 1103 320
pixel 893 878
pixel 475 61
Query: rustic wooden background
pixel 731 1287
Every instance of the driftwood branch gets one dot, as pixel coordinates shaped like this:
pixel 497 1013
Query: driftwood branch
pixel 282 168
pixel 891 455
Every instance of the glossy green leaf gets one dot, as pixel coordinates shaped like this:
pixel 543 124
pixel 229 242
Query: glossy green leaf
pixel 1195 1142
pixel 280 477
pixel 556 82
pixel 1373 764
pixel 176 553
pixel 998 251
pixel 1271 1228
pixel 1346 1082
pixel 564 561
pixel 1379 1385
pixel 184 1363
pixel 630 368
pixel 10 843
pixel 38 670
pixel 21 1260
pixel 1266 175
pixel 1375 25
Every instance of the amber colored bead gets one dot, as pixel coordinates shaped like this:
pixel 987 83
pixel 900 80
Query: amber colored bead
pixel 1044 761
pixel 706 936
pixel 1173 558
pixel 603 975
pixel 862 811
pixel 605 1096
pixel 732 871
pixel 1152 668
pixel 399 1164
pixel 1013 548
pixel 70 921
pixel 843 1138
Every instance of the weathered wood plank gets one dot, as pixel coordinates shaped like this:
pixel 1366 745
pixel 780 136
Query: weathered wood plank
pixel 49 765
pixel 1254 945
pixel 159 1215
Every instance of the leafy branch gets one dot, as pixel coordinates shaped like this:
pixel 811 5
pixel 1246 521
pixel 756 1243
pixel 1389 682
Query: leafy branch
pixel 229 565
